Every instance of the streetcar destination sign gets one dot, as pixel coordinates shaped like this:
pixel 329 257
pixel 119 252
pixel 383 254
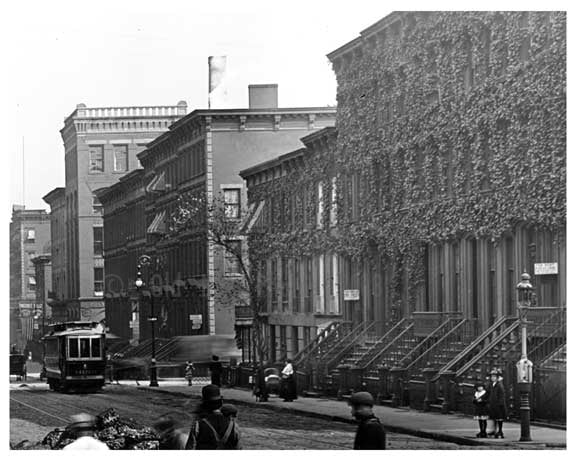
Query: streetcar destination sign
pixel 545 268
pixel 351 295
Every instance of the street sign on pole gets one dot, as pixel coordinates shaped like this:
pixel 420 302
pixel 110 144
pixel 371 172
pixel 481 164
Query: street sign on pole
pixel 351 295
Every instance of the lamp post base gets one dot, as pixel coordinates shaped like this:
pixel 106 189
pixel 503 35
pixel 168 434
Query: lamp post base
pixel 525 415
pixel 153 375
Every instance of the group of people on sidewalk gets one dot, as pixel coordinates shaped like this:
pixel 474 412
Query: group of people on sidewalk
pixel 490 406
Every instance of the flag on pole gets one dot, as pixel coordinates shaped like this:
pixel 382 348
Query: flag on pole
pixel 217 89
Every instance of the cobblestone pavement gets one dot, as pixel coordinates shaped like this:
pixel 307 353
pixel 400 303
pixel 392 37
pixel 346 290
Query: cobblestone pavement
pixel 34 411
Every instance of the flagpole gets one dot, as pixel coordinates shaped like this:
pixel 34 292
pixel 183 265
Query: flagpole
pixel 23 176
pixel 209 80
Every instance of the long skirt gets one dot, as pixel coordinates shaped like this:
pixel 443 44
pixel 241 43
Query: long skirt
pixel 288 389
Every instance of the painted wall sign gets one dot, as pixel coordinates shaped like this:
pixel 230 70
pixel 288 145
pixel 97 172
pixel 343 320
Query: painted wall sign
pixel 545 268
pixel 351 295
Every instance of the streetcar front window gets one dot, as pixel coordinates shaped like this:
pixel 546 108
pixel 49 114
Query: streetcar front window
pixel 95 347
pixel 73 348
pixel 85 347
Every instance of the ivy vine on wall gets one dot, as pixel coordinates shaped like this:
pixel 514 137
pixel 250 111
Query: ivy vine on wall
pixel 453 124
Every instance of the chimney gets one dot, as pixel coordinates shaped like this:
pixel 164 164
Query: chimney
pixel 263 96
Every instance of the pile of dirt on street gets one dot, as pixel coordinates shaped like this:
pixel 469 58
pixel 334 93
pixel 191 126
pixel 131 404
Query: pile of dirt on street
pixel 116 432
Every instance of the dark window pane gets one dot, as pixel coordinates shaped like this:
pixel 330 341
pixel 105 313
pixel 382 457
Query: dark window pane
pixel 95 347
pixel 73 347
pixel 85 347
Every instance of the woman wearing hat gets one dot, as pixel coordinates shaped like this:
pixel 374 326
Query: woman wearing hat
pixel 497 401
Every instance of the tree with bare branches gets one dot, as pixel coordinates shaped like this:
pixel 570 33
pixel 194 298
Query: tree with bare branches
pixel 195 213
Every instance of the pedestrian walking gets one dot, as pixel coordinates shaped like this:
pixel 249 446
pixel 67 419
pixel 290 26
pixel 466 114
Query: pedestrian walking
pixel 370 434
pixel 288 385
pixel 189 372
pixel 212 430
pixel 260 387
pixel 216 371
pixel 83 426
pixel 497 402
pixel 480 402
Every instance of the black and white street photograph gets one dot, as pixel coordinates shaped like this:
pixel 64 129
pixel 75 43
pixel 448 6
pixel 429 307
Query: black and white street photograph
pixel 293 225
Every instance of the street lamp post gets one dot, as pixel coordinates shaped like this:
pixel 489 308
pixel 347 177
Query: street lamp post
pixel 144 260
pixel 524 365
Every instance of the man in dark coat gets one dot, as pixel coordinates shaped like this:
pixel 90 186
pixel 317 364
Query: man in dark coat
pixel 497 401
pixel 212 429
pixel 370 434
pixel 216 371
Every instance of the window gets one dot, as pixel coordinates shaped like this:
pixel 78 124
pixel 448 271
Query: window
pixel 30 235
pixel 96 154
pixel 296 298
pixel 231 258
pixel 85 347
pixel 73 351
pixel 274 283
pixel 284 283
pixel 98 281
pixel 31 256
pixel 120 158
pixel 31 283
pixel 232 203
pixel 98 240
pixel 295 340
pixel 320 208
pixel 96 205
pixel 95 348
pixel 333 204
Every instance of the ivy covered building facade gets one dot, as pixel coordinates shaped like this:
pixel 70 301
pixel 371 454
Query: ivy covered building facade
pixel 444 180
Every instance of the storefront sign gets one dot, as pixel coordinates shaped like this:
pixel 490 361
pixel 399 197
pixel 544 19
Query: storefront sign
pixel 545 268
pixel 351 295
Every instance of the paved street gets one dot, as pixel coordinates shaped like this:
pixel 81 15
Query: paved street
pixel 34 411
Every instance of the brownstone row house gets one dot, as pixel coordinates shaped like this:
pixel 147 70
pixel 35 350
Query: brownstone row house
pixel 443 182
pixel 200 155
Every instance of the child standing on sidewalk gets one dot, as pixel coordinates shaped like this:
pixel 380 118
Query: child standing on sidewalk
pixel 481 409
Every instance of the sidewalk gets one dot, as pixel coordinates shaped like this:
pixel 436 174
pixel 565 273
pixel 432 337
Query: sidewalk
pixel 450 428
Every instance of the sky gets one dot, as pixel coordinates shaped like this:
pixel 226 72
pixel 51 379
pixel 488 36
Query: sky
pixel 121 53
pixel 126 52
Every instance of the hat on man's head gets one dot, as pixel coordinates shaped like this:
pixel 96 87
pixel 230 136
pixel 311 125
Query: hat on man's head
pixel 361 398
pixel 496 372
pixel 215 357
pixel 82 421
pixel 211 393
pixel 229 410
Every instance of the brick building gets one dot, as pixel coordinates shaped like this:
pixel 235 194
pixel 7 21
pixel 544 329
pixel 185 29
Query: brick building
pixel 29 237
pixel 100 146
pixel 202 154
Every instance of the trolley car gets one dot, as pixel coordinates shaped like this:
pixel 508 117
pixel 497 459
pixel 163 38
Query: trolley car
pixel 74 356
